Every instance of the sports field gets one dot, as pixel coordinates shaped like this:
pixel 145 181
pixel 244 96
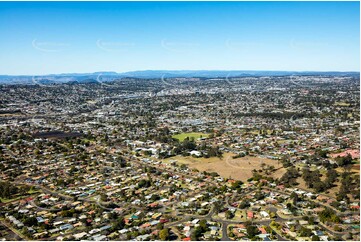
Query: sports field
pixel 194 135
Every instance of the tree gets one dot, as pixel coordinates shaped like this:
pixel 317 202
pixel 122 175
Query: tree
pixel 315 238
pixel 217 206
pixel 294 197
pixel 319 186
pixel 183 166
pixel 252 230
pixel 229 215
pixel 197 232
pixel 312 179
pixel 155 197
pixel 236 185
pixel 289 178
pixel 160 226
pixel 305 232
pixel 118 224
pixel 344 161
pixel 272 168
pixel 259 195
pixel 7 189
pixel 103 197
pixel 322 153
pixel 244 204
pixel 331 177
pixel 30 221
pixel 164 234
pixel 144 183
pixel 328 215
pixel 203 224
pixel 214 151
pixel 285 162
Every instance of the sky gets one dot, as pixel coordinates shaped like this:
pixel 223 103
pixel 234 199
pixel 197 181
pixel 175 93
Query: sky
pixel 84 37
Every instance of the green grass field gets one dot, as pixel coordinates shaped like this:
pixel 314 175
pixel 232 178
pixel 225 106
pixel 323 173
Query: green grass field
pixel 33 191
pixel 182 136
pixel 342 104
pixel 7 200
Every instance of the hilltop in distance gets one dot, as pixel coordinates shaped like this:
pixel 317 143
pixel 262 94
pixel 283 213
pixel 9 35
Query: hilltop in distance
pixel 150 74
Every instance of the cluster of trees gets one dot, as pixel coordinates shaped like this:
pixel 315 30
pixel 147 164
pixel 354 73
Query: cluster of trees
pixel 229 214
pixel 118 224
pixel 344 161
pixel 212 174
pixel 68 213
pixel 164 234
pixel 252 230
pixel 244 204
pixel 309 219
pixel 312 179
pixel 30 221
pixel 305 232
pixel 259 195
pixel 8 136
pixel 295 198
pixel 283 115
pixel 267 168
pixel 328 215
pixel 200 230
pixel 349 186
pixel 290 177
pixel 236 185
pixel 240 155
pixel 321 153
pixel 292 208
pixel 286 162
pixel 162 135
pixel 7 190
pixel 187 145
pixel 144 183
pixel 213 151
pixel 122 162
pixel 331 177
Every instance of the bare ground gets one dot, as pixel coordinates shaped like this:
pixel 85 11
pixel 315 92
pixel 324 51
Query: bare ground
pixel 227 167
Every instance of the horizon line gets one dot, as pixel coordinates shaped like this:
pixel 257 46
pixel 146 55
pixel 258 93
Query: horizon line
pixel 176 70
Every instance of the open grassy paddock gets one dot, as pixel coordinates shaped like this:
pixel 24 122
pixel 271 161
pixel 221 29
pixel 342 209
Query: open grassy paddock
pixel 227 167
pixel 194 135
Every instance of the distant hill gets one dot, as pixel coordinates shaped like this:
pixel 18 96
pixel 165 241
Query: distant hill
pixel 235 73
pixel 147 74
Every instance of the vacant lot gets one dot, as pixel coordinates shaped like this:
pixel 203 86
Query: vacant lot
pixel 227 167
pixel 182 136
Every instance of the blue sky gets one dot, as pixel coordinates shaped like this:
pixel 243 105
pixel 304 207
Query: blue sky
pixel 68 37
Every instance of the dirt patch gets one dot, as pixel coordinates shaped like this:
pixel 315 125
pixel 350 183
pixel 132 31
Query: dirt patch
pixel 356 168
pixel 227 167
